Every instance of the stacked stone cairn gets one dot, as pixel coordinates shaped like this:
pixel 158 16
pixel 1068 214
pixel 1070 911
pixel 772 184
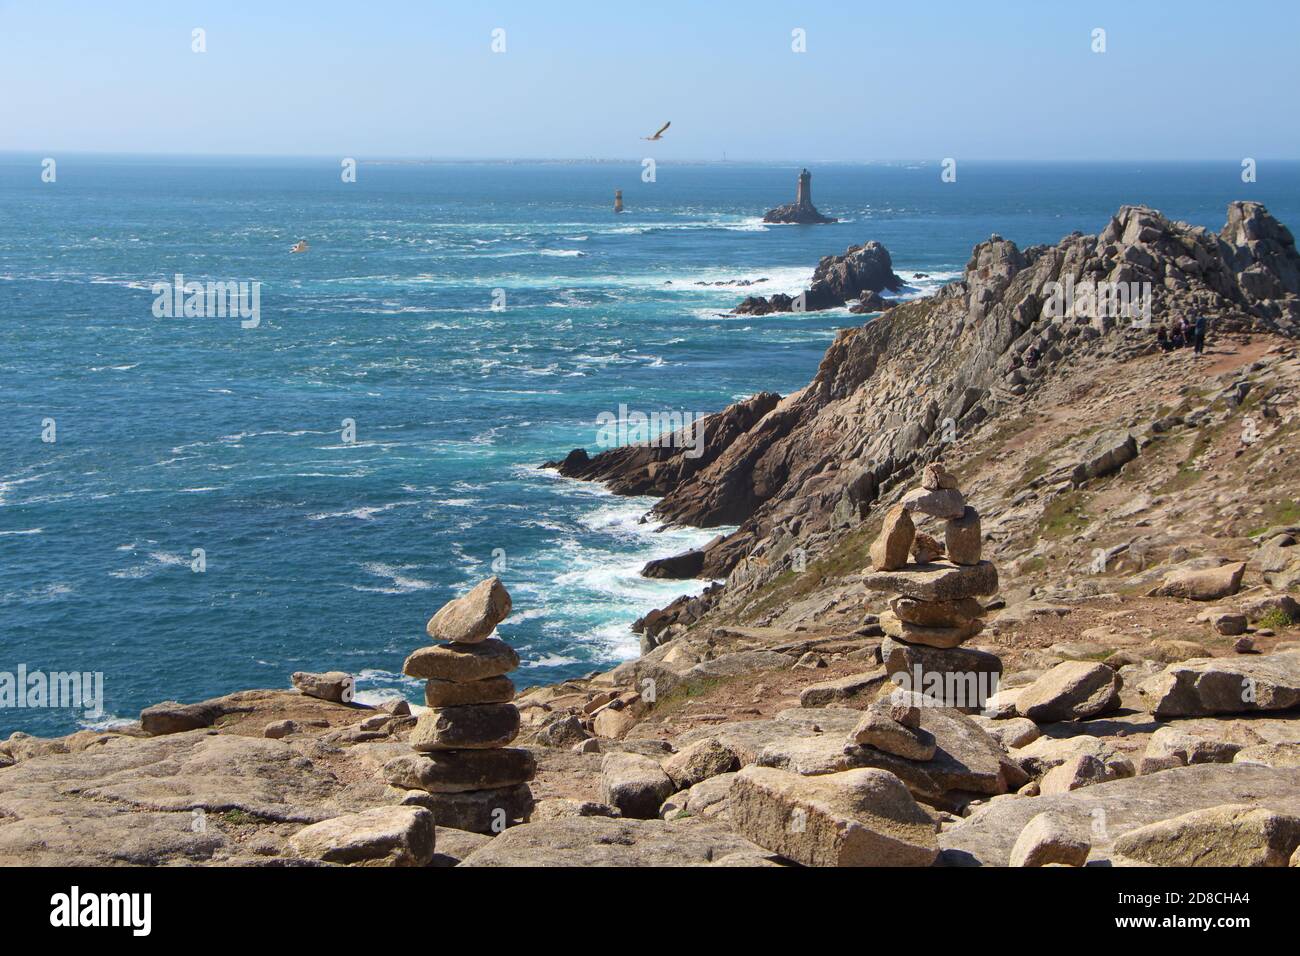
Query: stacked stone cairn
pixel 934 610
pixel 463 769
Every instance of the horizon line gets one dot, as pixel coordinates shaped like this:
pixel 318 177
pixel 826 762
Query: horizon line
pixel 418 159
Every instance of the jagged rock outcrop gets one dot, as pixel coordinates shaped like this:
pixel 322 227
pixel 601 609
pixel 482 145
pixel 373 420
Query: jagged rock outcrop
pixel 801 211
pixel 658 469
pixel 797 472
pixel 861 273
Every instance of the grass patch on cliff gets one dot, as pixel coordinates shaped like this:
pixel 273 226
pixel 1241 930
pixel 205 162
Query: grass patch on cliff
pixel 679 696
pixel 239 818
pixel 1276 619
pixel 1064 515
pixel 847 557
pixel 1182 479
pixel 1035 468
pixel 994 443
pixel 1276 514
pixel 1187 474
pixel 1038 465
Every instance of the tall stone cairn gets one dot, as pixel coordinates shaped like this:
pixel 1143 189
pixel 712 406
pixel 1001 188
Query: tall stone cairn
pixel 935 583
pixel 463 769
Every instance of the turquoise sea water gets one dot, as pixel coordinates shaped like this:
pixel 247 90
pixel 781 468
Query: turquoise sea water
pixel 175 434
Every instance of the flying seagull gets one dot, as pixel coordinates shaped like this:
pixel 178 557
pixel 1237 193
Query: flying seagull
pixel 300 246
pixel 659 134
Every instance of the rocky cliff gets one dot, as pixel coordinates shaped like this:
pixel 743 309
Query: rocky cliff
pixel 898 391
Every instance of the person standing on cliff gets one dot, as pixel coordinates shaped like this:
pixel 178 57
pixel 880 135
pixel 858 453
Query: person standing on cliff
pixel 1200 334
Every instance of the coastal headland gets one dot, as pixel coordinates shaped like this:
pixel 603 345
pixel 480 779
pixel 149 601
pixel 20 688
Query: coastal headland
pixel 1095 530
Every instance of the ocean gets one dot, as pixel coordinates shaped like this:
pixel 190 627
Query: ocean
pixel 371 447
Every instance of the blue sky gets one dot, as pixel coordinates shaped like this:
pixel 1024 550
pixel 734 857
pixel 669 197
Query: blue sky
pixel 389 78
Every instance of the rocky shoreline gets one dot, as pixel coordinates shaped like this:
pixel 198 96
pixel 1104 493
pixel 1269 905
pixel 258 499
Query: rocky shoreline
pixel 1124 561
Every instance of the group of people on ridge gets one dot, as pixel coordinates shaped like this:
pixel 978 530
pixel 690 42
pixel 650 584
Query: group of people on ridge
pixel 1182 332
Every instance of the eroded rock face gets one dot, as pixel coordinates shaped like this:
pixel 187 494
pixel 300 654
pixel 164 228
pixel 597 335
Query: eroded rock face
pixel 882 732
pixel 173 717
pixel 1173 746
pixel 602 841
pixel 135 800
pixel 336 686
pixel 381 836
pixel 1045 840
pixel 1103 455
pixel 854 818
pixel 634 784
pixel 1224 685
pixel 1206 584
pixel 478 811
pixel 665 469
pixel 677 567
pixel 1073 690
pixel 861 273
pixel 1232 835
pixel 696 763
pixel 862 269
pixel 1104 812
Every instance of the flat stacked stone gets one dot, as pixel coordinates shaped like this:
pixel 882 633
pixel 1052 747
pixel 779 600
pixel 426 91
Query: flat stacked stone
pixel 935 609
pixel 463 769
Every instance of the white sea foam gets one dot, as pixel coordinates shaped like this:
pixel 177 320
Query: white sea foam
pixel 106 722
pixel 168 559
pixel 9 483
pixel 43 594
pixel 366 513
pixel 130 574
pixel 550 660
pixel 400 582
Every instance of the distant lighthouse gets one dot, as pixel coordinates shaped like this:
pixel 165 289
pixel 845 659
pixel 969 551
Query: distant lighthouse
pixel 618 200
pixel 802 209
